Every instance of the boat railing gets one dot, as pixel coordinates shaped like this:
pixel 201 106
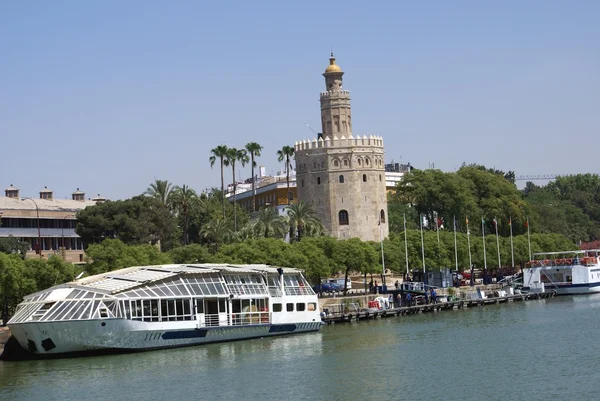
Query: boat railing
pixel 250 318
pixel 575 261
pixel 413 286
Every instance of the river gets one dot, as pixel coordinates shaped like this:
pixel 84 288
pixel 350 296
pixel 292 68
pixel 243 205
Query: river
pixel 535 350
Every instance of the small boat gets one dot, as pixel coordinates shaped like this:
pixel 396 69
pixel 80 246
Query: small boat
pixel 166 306
pixel 566 273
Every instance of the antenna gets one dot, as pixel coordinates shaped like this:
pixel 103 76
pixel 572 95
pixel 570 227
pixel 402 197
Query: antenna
pixel 315 132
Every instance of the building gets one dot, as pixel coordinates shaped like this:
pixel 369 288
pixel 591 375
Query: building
pixel 343 176
pixel 45 223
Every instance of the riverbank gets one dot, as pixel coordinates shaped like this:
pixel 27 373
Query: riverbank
pixel 4 336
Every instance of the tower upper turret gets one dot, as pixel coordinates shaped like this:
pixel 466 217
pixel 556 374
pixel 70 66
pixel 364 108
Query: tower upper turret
pixel 336 115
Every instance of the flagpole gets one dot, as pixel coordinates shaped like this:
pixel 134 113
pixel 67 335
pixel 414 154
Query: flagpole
pixel 469 246
pixel 512 252
pixel 382 258
pixel 484 256
pixel 455 248
pixel 437 227
pixel 422 242
pixel 528 238
pixel 498 243
pixel 405 245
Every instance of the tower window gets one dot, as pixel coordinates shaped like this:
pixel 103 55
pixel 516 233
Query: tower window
pixel 336 163
pixel 302 183
pixel 366 162
pixel 314 164
pixel 318 180
pixel 379 177
pixel 364 178
pixel 359 162
pixel 322 164
pixel 341 179
pixel 345 163
pixel 382 216
pixel 343 218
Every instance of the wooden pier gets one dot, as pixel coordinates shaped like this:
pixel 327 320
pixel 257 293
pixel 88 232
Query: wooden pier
pixel 363 314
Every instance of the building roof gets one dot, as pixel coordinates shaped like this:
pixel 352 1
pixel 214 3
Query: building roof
pixel 70 205
pixel 332 67
pixel 124 279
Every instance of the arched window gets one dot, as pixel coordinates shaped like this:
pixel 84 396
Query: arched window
pixel 379 177
pixel 343 217
pixel 366 162
pixel 302 183
pixel 346 163
pixel 318 180
pixel 322 164
pixel 364 178
pixel 336 163
pixel 359 162
pixel 341 179
pixel 382 216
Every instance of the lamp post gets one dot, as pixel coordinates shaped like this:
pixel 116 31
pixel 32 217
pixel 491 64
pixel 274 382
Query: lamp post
pixel 37 211
pixel 62 231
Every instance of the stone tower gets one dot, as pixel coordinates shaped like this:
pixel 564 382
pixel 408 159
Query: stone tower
pixel 340 175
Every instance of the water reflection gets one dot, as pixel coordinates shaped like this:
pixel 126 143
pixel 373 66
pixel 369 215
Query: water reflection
pixel 493 353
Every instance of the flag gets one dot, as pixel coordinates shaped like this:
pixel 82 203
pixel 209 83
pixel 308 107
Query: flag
pixel 495 222
pixel 440 222
pixel 526 224
pixel 467 220
pixel 509 221
pixel 482 220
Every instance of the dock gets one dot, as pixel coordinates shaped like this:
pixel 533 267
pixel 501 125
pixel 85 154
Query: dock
pixel 372 313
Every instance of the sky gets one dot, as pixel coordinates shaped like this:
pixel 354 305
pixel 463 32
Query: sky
pixel 107 96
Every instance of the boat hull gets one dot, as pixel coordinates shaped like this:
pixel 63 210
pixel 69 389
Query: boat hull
pixel 121 335
pixel 575 289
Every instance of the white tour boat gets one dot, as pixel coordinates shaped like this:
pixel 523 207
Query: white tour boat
pixel 567 273
pixel 152 307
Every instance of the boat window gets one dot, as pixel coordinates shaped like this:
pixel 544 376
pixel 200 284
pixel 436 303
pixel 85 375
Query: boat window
pixel 277 307
pixel 289 307
pixel 300 307
pixel 222 306
pixel 103 313
pixel 312 306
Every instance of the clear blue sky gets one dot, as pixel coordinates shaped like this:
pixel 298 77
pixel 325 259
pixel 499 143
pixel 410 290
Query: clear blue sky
pixel 108 95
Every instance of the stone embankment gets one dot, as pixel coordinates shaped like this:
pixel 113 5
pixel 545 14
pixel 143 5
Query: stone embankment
pixel 4 336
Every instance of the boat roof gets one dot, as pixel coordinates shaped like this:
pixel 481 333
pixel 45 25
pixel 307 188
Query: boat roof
pixel 579 252
pixel 124 279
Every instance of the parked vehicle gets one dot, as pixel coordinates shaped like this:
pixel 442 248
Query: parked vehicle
pixel 340 282
pixel 328 287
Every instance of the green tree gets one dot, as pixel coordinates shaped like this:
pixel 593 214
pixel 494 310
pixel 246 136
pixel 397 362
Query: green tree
pixel 231 158
pixel 183 199
pixel 269 223
pixel 161 190
pixel 14 245
pixel 193 253
pixel 301 216
pixel 112 254
pixel 220 152
pixel 217 232
pixel 286 153
pixel 139 220
pixel 254 149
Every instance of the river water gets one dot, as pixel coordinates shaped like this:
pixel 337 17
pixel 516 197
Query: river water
pixel 535 350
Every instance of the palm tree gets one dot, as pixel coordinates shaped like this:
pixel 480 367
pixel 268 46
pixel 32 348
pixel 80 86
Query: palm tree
pixel 217 232
pixel 301 216
pixel 183 199
pixel 219 153
pixel 161 190
pixel 269 223
pixel 232 156
pixel 285 153
pixel 254 149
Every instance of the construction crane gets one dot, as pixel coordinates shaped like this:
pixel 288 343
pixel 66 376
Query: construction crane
pixel 539 177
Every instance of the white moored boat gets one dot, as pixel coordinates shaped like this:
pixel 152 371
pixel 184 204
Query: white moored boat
pixel 151 307
pixel 567 273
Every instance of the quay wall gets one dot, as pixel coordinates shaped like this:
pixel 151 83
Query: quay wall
pixel 4 336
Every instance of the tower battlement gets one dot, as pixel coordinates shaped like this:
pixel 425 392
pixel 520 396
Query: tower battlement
pixel 342 142
pixel 340 92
